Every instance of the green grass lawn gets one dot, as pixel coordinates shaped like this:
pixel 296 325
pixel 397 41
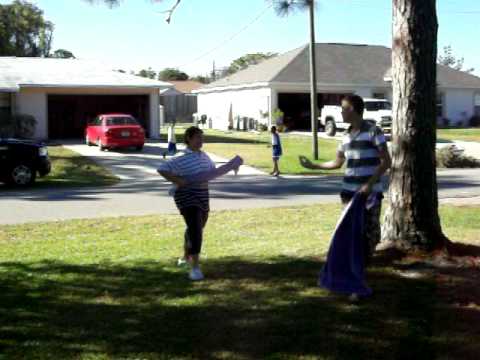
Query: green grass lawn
pixel 256 150
pixel 70 169
pixel 459 134
pixel 108 289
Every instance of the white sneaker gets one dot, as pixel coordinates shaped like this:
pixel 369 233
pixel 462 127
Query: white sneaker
pixel 196 274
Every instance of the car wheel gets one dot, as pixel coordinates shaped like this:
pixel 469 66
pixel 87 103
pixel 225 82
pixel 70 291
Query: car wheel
pixel 22 175
pixel 330 128
pixel 139 147
pixel 87 141
pixel 100 145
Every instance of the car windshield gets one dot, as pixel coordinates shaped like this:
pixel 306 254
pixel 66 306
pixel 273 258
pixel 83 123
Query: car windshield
pixel 121 120
pixel 377 105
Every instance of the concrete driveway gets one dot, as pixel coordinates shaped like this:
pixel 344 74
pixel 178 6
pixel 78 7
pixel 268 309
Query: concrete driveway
pixel 143 192
pixel 139 165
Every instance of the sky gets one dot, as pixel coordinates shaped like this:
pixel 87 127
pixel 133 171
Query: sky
pixel 135 35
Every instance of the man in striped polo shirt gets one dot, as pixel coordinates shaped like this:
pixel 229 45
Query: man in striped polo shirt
pixel 364 149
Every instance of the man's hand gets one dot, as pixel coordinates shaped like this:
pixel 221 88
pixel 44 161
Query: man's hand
pixel 306 163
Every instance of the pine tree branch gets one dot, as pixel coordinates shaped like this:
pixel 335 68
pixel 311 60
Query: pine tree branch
pixel 171 11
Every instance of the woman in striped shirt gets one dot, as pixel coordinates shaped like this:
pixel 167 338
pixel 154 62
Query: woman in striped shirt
pixel 190 174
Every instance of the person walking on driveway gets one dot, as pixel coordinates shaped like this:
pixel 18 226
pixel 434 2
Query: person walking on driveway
pixel 172 141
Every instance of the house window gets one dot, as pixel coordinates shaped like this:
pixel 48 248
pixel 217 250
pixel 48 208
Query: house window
pixel 439 105
pixel 476 108
pixel 4 105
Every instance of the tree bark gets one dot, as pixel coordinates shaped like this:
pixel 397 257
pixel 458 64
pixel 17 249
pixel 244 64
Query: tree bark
pixel 313 81
pixel 412 221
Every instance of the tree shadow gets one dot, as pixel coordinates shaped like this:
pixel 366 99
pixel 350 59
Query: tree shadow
pixel 246 308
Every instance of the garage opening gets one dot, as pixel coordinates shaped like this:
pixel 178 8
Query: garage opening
pixel 296 108
pixel 68 115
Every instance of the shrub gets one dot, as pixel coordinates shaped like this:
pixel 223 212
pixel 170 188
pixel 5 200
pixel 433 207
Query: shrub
pixel 262 127
pixel 278 117
pixel 452 157
pixel 19 126
pixel 444 123
pixel 475 121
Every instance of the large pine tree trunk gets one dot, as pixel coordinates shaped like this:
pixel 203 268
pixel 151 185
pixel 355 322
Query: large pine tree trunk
pixel 411 219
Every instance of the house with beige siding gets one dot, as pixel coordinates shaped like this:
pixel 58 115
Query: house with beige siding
pixel 283 82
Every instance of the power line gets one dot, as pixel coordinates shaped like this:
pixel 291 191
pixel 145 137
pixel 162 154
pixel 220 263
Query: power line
pixel 226 41
pixel 264 11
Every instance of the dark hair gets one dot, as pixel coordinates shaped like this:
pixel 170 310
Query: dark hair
pixel 273 128
pixel 356 102
pixel 191 132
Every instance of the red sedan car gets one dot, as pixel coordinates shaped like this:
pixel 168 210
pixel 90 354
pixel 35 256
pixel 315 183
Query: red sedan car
pixel 115 131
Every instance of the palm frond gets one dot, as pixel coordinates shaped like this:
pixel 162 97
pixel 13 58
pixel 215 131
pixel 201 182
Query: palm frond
pixel 288 7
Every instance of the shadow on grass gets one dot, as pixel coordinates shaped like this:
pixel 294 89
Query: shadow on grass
pixel 247 308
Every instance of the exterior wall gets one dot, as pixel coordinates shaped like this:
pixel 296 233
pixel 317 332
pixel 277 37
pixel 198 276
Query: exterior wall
pixel 242 102
pixel 458 105
pixel 154 129
pixel 33 101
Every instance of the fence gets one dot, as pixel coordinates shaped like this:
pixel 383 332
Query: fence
pixel 179 108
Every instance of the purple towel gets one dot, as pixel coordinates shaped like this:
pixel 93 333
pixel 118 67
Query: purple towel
pixel 214 173
pixel 344 270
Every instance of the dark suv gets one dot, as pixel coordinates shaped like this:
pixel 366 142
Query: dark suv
pixel 21 160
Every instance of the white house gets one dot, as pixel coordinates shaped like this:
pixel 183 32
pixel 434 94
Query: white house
pixel 63 94
pixel 283 82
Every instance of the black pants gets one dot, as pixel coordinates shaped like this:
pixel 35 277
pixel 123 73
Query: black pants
pixel 195 219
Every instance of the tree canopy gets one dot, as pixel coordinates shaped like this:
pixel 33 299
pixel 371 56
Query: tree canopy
pixel 448 59
pixel 24 31
pixel 249 59
pixel 172 74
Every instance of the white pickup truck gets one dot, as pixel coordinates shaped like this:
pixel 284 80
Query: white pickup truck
pixel 378 111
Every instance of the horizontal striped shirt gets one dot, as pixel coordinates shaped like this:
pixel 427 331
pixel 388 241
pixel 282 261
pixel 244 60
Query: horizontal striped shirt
pixel 191 163
pixel 362 154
